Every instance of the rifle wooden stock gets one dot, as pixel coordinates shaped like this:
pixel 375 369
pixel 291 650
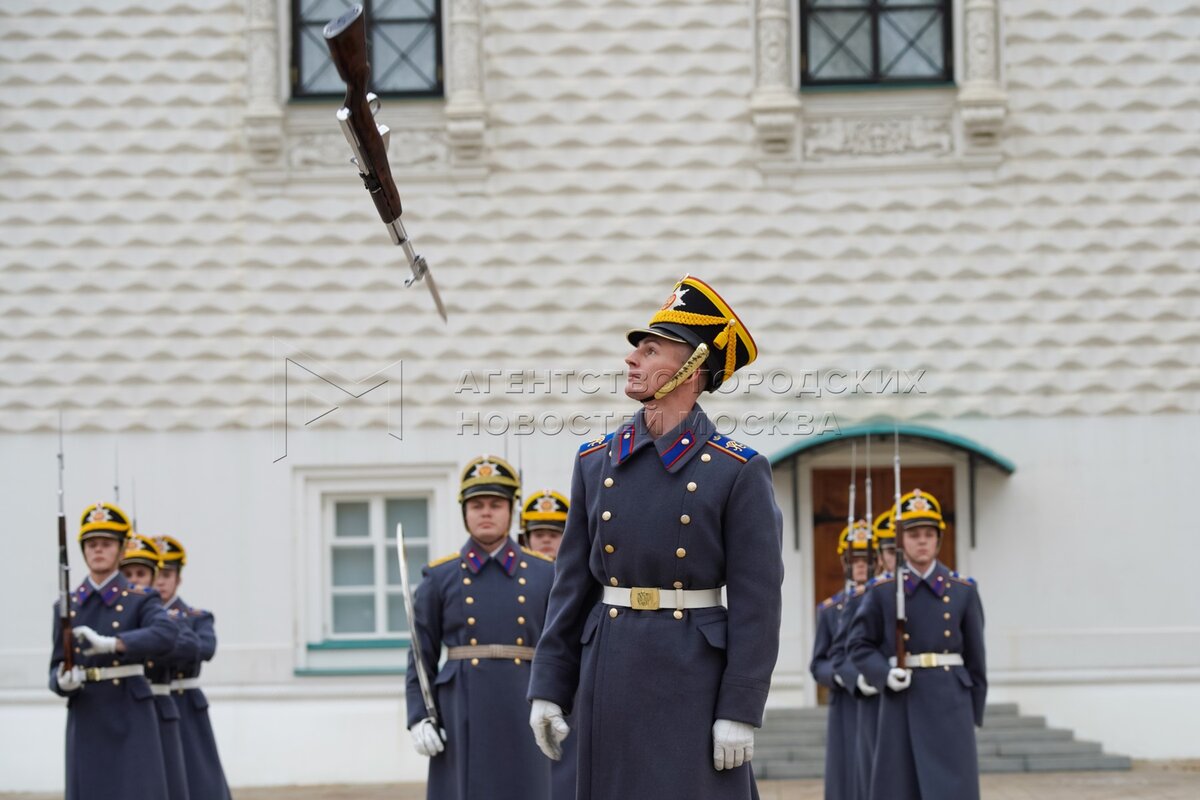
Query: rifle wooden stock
pixel 346 37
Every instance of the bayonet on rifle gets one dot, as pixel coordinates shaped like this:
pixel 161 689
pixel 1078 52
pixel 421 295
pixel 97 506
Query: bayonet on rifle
pixel 346 37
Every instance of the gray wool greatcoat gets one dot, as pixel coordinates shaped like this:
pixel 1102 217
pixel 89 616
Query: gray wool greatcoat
pixel 925 749
pixel 113 745
pixel 471 598
pixel 692 508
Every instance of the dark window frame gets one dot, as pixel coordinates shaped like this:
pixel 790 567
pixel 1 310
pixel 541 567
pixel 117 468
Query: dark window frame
pixel 296 92
pixel 875 10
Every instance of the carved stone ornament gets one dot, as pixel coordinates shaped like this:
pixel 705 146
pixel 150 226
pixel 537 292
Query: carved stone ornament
pixel 875 137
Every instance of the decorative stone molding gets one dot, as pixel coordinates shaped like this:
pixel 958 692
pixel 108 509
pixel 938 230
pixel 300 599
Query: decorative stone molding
pixel 981 98
pixel 263 121
pixel 842 137
pixel 466 112
pixel 438 138
pixel 775 105
pixel 951 127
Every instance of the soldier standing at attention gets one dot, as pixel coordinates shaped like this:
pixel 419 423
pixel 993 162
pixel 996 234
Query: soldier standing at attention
pixel 832 669
pixel 664 514
pixel 487 604
pixel 179 675
pixel 113 746
pixel 543 520
pixel 884 543
pixel 927 717
pixel 139 564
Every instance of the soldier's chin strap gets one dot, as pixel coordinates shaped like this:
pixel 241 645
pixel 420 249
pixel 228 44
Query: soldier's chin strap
pixel 682 374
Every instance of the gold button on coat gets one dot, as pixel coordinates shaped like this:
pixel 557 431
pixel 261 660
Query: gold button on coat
pixel 691 487
pixel 470 600
pixel 116 624
pixel 606 515
pixel 520 620
pixel 608 548
pixel 946 599
pixel 520 640
pixel 470 620
pixel 120 607
pixel 946 615
pixel 706 457
pixel 516 661
pixel 524 565
pixel 474 642
pixel 947 634
pixel 520 598
pixel 678 584
pixel 613 581
pixel 678 614
pixel 608 481
pixel 474 662
pixel 466 581
pixel 612 612
pixel 685 519
pixel 521 581
pixel 680 553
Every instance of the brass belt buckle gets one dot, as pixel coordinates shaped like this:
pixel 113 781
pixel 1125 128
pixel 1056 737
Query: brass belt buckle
pixel 92 674
pixel 642 599
pixel 927 660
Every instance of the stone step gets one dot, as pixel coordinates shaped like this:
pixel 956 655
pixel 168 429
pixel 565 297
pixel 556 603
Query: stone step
pixel 1001 764
pixel 1020 734
pixel 1013 722
pixel 1079 763
pixel 1064 747
pixel 791 745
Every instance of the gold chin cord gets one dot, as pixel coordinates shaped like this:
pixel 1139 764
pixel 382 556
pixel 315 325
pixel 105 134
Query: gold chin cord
pixel 691 365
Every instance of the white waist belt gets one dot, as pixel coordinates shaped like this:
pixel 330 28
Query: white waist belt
pixel 94 674
pixel 648 599
pixel 175 685
pixel 916 660
pixel 161 689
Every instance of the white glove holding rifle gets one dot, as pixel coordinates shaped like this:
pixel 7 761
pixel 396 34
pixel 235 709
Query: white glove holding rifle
pixel 428 739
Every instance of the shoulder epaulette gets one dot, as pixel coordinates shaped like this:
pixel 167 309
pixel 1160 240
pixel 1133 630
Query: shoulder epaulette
pixel 536 554
pixel 728 446
pixel 967 579
pixel 138 589
pixel 830 601
pixel 437 562
pixel 592 445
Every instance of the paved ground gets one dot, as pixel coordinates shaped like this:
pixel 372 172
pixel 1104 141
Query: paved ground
pixel 1174 781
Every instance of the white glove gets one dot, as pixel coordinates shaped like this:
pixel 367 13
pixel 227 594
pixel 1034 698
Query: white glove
pixel 867 689
pixel 899 679
pixel 733 743
pixel 97 644
pixel 70 680
pixel 549 727
pixel 838 680
pixel 428 740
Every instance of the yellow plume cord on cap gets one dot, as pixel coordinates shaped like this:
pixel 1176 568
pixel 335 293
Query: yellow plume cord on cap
pixel 725 340
pixel 691 365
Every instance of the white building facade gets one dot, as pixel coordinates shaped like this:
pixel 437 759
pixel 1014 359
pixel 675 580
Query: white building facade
pixel 1008 256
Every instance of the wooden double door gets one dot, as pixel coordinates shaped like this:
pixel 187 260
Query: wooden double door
pixel 831 498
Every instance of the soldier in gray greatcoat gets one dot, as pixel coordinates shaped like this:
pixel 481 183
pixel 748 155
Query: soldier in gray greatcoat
pixel 140 562
pixel 666 683
pixel 543 520
pixel 487 604
pixel 832 668
pixel 179 674
pixel 928 713
pixel 113 745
